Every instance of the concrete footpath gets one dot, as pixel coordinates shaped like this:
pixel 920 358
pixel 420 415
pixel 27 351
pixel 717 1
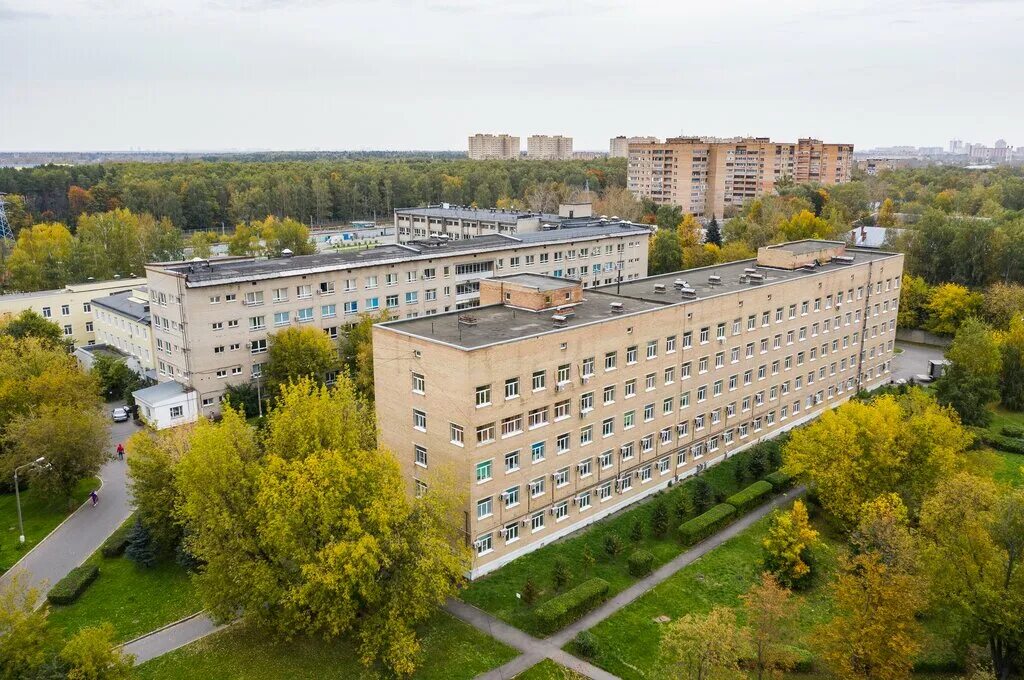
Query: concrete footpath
pixel 535 650
pixel 171 637
pixel 81 534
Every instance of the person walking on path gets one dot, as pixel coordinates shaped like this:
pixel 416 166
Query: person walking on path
pixel 95 498
pixel 120 451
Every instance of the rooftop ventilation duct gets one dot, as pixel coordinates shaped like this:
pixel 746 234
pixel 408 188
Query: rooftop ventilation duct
pixel 286 252
pixel 688 293
pixel 559 320
pixel 715 279
pixel 617 307
pixel 659 288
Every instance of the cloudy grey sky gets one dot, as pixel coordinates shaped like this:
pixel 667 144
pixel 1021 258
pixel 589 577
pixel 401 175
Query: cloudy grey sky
pixel 422 74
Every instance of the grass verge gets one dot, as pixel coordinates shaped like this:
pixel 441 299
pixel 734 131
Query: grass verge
pixel 40 515
pixel 548 670
pixel 451 650
pixel 135 600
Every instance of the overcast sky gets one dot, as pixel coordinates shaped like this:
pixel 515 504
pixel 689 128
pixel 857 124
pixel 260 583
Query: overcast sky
pixel 423 74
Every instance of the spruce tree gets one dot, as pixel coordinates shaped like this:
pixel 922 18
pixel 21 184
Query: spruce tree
pixel 713 234
pixel 140 546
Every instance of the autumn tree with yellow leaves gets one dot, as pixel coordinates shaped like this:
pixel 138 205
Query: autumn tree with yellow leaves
pixel 310 530
pixel 788 546
pixel 861 450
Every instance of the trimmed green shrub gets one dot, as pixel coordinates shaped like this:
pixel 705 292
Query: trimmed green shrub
pixel 641 563
pixel 71 587
pixel 637 532
pixel 1013 431
pixel 702 526
pixel 116 543
pixel 779 480
pixel 747 498
pixel 998 441
pixel 570 605
pixel 586 644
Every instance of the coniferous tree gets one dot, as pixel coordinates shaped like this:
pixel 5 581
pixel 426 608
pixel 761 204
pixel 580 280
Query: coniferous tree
pixel 140 549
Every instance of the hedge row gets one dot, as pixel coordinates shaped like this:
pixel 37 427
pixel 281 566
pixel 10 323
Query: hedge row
pixel 779 480
pixel 570 605
pixel 702 526
pixel 116 543
pixel 71 587
pixel 641 563
pixel 747 498
pixel 1001 442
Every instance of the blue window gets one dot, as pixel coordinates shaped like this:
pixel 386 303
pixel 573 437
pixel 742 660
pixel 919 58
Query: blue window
pixel 351 307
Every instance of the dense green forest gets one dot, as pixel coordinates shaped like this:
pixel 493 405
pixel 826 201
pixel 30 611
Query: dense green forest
pixel 201 195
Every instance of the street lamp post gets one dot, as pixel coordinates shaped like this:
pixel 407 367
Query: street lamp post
pixel 17 494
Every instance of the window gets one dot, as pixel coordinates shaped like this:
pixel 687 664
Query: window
pixel 455 432
pixel 68 330
pixel 258 346
pixel 484 507
pixel 631 355
pixel 562 443
pixel 704 334
pixel 512 388
pixel 512 461
pixel 588 367
pixel 483 471
pixel 483 544
pixel 537 452
pixel 420 455
pixel 563 374
pixel 419 383
pixel 281 318
pixel 538 417
pixel 607 427
pixel 586 435
pixel 687 340
pixel 537 521
pixel 47 313
pixel 630 388
pixel 652 349
pixel 561 477
pixel 512 425
pixel 511 496
pixel 177 411
pixel 586 402
pixel 412 297
pixel 539 379
pixel 561 511
pixel 419 420
pixel 254 297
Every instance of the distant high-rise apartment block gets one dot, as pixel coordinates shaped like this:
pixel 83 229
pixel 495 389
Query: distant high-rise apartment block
pixel 549 147
pixel 483 147
pixel 618 147
pixel 715 177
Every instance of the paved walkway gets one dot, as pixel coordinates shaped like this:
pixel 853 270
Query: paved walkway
pixel 535 650
pixel 81 534
pixel 171 637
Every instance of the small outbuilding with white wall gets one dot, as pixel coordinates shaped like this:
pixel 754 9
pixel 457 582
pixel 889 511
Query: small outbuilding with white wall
pixel 167 404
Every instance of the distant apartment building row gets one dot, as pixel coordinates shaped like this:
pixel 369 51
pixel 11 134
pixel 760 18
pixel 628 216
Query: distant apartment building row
pixel 460 222
pixel 710 177
pixel 212 320
pixel 553 406
pixel 484 147
pixel 618 147
pixel 69 307
pixel 549 147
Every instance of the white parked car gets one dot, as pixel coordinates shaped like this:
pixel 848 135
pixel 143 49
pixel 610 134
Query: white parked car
pixel 120 414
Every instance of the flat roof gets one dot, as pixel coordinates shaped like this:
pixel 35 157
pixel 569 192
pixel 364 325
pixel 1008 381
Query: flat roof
pixel 497 324
pixel 160 392
pixel 84 287
pixel 729 277
pixel 211 272
pixel 123 304
pixel 805 246
pixel 485 214
pixel 537 281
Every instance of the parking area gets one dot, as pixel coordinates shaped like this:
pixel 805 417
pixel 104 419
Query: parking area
pixel 913 360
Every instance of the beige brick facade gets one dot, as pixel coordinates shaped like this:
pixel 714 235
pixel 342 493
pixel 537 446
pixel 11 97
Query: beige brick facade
pixel 554 419
pixel 493 147
pixel 212 321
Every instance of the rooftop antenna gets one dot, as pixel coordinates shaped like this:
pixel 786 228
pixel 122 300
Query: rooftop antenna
pixel 6 233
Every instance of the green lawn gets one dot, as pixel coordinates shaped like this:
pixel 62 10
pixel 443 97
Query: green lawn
pixel 496 593
pixel 451 650
pixel 628 641
pixel 1009 468
pixel 134 599
pixel 1002 418
pixel 40 518
pixel 548 670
